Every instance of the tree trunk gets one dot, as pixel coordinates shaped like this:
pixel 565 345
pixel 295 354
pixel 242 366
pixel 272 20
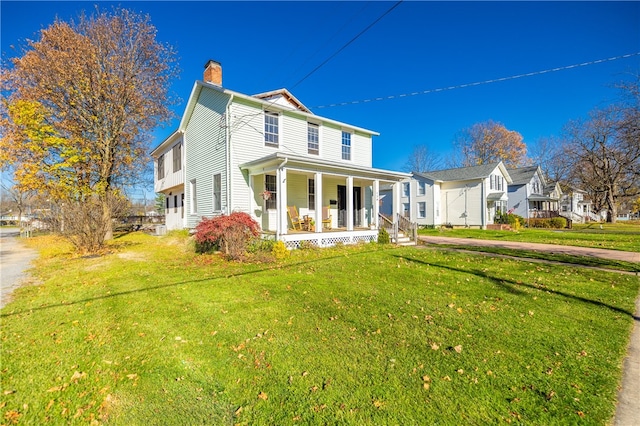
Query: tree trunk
pixel 106 217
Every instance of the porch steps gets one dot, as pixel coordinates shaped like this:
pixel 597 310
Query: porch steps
pixel 403 240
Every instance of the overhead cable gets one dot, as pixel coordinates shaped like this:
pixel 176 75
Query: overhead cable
pixel 478 83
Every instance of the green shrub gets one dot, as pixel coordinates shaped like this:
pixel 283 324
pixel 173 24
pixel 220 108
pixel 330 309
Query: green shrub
pixel 258 244
pixel 383 236
pixel 559 222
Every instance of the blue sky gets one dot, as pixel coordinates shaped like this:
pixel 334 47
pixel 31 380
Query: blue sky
pixel 417 47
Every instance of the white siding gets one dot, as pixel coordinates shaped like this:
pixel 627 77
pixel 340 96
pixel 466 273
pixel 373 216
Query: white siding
pixel 205 153
pixel 171 178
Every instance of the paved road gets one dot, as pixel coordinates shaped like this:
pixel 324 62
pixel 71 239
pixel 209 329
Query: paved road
pixel 15 259
pixel 628 409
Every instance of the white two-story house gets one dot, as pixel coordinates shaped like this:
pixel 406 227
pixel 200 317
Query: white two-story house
pixel 264 155
pixel 530 195
pixel 461 197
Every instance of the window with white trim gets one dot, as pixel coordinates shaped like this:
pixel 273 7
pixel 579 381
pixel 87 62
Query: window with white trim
pixel 217 192
pixel 346 146
pixel 405 189
pixel 271 129
pixel 422 209
pixel 194 197
pixel 270 185
pixel 161 167
pixel 421 188
pixel 177 157
pixel 313 138
pixel 405 209
pixel 312 194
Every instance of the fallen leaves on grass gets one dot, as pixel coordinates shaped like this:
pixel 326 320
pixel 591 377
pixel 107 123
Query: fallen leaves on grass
pixel 263 396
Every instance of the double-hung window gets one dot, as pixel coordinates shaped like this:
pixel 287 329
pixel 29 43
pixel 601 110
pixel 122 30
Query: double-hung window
pixel 313 138
pixel 161 167
pixel 312 194
pixel 270 185
pixel 194 197
pixel 420 188
pixel 177 157
pixel 271 129
pixel 422 209
pixel 346 146
pixel 405 189
pixel 217 192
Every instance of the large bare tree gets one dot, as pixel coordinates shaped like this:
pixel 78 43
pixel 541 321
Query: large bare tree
pixel 422 159
pixel 604 152
pixel 81 103
pixel 489 142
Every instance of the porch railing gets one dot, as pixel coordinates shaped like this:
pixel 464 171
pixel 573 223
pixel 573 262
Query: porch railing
pixel 409 228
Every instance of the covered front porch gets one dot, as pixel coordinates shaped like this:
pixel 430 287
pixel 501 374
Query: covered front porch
pixel 304 200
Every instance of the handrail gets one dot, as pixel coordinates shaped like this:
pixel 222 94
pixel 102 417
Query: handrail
pixel 410 228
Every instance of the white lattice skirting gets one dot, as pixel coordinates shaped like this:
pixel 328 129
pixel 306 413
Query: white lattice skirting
pixel 328 239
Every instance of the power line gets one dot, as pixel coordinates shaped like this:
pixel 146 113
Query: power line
pixel 478 83
pixel 347 44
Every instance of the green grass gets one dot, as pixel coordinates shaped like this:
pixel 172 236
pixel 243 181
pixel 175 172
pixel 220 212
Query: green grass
pixel 625 236
pixel 367 335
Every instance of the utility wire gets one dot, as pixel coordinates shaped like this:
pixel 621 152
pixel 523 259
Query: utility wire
pixel 478 83
pixel 347 44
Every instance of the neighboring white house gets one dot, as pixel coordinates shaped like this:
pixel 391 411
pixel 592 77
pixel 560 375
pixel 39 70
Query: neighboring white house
pixel 465 196
pixel 530 195
pixel 262 154
pixel 574 206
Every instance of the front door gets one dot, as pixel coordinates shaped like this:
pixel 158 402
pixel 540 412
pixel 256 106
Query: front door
pixel 342 206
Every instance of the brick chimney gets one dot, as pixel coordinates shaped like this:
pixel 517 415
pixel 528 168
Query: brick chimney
pixel 213 72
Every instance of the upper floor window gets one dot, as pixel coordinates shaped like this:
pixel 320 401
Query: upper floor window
pixel 161 167
pixel 420 188
pixel 313 138
pixel 270 185
pixel 177 157
pixel 346 146
pixel 496 182
pixel 405 189
pixel 271 128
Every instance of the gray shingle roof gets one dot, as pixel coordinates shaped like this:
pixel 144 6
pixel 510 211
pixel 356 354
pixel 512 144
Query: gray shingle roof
pixel 461 173
pixel 522 175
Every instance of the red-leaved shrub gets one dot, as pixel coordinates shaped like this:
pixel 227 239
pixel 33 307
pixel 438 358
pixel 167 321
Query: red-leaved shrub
pixel 229 233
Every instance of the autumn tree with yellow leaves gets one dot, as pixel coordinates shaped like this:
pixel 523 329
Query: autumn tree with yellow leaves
pixel 78 108
pixel 489 142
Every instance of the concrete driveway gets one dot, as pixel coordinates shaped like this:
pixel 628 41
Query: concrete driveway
pixel 15 260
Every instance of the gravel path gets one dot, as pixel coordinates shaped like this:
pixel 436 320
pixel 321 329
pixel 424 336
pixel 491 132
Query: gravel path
pixel 15 260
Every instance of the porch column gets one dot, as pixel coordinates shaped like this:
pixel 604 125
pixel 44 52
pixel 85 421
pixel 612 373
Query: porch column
pixel 396 191
pixel 350 203
pixel 376 203
pixel 317 182
pixel 282 224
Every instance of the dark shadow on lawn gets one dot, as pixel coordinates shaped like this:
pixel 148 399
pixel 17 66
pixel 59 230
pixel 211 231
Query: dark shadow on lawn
pixel 512 286
pixel 163 286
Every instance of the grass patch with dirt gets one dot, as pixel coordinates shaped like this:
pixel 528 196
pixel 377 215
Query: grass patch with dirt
pixel 155 334
pixel 625 236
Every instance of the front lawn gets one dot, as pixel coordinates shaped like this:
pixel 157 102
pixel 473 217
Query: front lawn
pixel 366 335
pixel 624 236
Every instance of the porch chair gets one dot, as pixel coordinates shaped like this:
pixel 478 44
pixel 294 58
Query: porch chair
pixel 296 220
pixel 326 217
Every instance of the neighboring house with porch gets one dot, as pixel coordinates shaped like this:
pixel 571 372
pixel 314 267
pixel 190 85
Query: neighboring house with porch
pixel 263 155
pixel 575 205
pixel 530 195
pixel 460 197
